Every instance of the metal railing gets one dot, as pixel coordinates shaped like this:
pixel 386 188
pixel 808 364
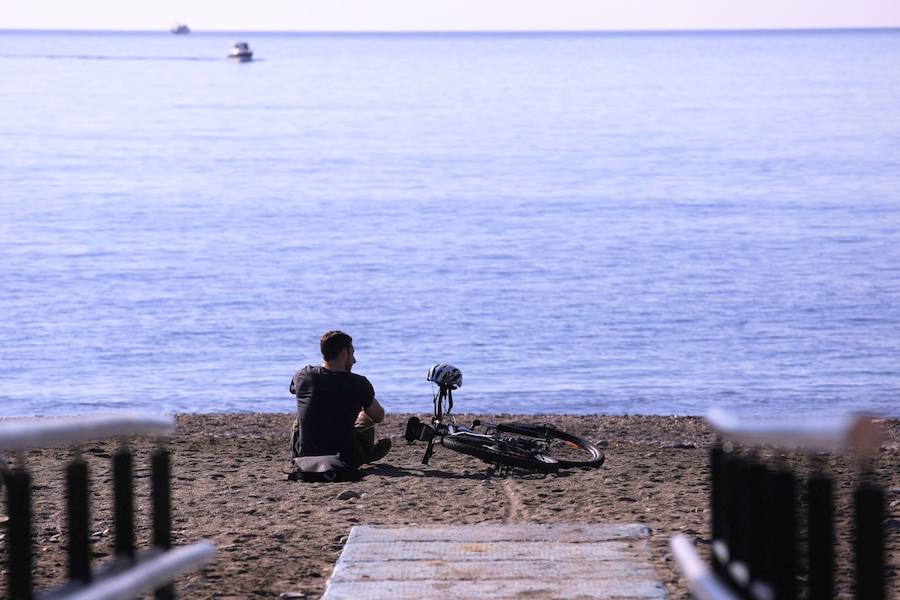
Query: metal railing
pixel 757 509
pixel 130 572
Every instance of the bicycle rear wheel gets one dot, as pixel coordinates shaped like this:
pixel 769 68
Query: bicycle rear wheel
pixel 497 452
pixel 567 449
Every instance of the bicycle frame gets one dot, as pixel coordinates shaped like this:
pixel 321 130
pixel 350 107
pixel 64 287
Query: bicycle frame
pixel 437 420
pixel 443 393
pixel 442 429
pixel 504 445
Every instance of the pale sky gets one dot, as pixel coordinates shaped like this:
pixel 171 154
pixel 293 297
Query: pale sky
pixel 446 15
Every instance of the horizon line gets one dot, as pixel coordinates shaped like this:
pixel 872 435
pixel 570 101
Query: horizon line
pixel 468 31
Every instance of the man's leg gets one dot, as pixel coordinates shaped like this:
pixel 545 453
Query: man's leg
pixel 367 450
pixel 295 438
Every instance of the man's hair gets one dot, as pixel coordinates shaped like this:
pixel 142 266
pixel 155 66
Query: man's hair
pixel 333 342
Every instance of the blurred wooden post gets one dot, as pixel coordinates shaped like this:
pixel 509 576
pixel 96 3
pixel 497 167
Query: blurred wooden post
pixel 123 498
pixel 719 503
pixel 160 493
pixel 19 543
pixel 79 521
pixel 738 520
pixel 869 542
pixel 783 529
pixel 759 511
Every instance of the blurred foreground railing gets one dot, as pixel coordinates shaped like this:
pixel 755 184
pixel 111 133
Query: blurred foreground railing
pixel 130 572
pixel 756 511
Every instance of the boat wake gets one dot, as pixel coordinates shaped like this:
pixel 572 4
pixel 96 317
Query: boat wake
pixel 101 57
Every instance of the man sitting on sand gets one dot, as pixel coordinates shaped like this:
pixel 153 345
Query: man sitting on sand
pixel 336 409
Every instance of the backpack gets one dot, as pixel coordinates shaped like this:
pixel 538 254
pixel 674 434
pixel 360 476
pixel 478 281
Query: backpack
pixel 322 468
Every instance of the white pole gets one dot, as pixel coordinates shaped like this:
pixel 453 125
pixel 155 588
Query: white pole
pixel 149 575
pixel 811 433
pixel 702 582
pixel 21 434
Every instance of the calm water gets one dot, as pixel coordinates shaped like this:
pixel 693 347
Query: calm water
pixel 581 223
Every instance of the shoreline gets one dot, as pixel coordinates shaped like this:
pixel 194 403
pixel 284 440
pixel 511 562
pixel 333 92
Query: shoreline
pixel 276 536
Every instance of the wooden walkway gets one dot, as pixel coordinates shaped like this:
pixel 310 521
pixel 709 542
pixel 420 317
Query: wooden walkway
pixel 496 561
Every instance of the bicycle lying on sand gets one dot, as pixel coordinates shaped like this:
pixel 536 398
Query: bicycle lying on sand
pixel 542 448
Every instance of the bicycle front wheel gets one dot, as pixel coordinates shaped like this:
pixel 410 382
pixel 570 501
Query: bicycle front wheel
pixel 567 449
pixel 497 452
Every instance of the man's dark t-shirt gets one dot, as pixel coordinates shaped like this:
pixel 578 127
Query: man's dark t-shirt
pixel 328 403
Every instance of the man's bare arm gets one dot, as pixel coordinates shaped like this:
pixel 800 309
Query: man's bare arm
pixel 375 411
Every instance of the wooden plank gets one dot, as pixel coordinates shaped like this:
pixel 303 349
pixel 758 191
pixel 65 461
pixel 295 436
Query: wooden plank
pixel 416 570
pixel 489 551
pixel 557 532
pixel 539 586
pixel 496 561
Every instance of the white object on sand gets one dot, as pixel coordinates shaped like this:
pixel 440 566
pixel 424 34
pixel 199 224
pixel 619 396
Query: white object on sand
pixel 150 574
pixel 21 434
pixel 836 433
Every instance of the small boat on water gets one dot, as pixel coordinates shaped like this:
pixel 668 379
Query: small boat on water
pixel 180 29
pixel 240 51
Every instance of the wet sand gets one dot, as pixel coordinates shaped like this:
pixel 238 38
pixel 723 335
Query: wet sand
pixel 275 535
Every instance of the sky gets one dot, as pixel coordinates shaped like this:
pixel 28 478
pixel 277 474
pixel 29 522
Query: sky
pixel 447 15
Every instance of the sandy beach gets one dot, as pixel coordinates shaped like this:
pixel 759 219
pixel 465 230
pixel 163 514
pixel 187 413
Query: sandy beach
pixel 275 535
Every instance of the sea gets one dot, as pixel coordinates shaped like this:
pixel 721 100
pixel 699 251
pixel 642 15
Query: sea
pixel 616 223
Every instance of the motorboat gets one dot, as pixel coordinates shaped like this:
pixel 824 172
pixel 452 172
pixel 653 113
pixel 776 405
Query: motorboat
pixel 240 51
pixel 180 29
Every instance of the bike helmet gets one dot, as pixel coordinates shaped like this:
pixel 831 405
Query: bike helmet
pixel 445 375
